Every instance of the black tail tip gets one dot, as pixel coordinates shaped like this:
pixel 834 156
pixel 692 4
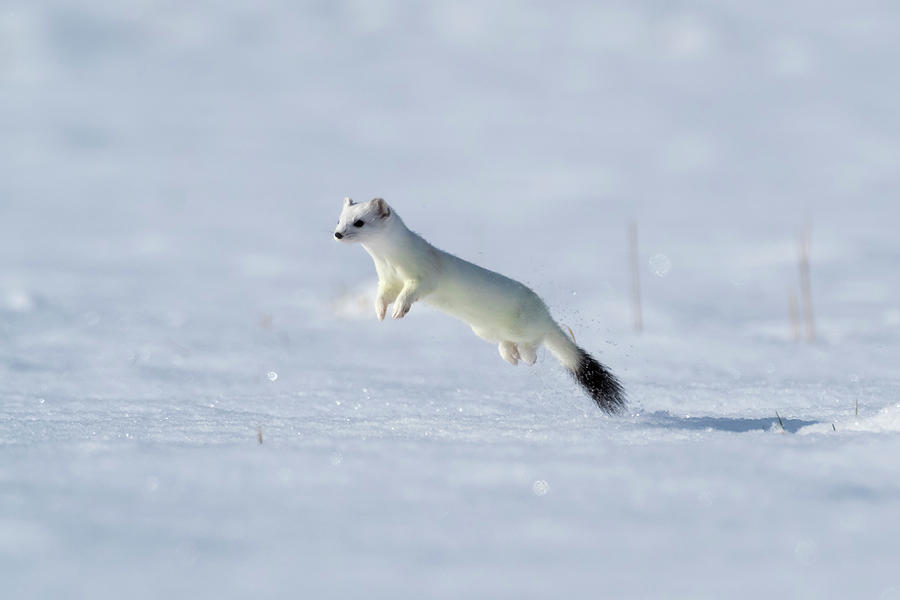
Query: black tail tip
pixel 600 384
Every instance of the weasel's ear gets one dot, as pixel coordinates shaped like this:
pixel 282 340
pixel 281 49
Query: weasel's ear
pixel 384 211
pixel 348 202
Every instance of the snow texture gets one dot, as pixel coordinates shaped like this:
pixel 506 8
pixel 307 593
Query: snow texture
pixel 171 296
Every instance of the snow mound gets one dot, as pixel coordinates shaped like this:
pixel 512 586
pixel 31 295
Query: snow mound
pixel 886 421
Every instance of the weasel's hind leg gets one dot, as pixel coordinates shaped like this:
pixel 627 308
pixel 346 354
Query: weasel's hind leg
pixel 528 353
pixel 509 352
pixel 485 334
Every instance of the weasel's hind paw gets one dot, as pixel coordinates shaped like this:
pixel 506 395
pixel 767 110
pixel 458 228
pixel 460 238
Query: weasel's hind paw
pixel 509 352
pixel 528 353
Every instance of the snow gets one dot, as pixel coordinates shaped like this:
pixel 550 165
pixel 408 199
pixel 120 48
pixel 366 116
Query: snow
pixel 170 295
pixel 887 420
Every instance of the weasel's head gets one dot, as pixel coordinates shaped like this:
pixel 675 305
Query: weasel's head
pixel 361 222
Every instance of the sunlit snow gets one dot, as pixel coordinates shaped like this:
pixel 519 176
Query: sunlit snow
pixel 197 401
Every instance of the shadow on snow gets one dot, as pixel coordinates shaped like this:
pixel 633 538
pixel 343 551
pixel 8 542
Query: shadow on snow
pixel 733 425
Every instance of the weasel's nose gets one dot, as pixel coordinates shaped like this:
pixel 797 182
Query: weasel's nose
pixel 338 235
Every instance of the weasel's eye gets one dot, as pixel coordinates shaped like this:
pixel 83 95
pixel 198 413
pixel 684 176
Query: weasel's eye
pixel 359 223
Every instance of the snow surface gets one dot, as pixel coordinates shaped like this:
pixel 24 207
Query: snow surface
pixel 170 173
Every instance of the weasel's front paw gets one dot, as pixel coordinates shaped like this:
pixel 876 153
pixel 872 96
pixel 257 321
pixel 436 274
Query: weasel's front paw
pixel 400 309
pixel 380 308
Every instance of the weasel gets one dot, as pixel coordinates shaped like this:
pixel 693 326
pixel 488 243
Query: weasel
pixel 498 309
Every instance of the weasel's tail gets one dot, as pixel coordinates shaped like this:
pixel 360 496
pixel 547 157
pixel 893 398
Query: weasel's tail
pixel 598 381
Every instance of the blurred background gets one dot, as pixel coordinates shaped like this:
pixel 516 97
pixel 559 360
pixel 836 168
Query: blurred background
pixel 209 147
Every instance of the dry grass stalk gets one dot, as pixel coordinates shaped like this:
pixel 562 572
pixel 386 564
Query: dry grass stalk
pixel 635 277
pixel 794 308
pixel 806 286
